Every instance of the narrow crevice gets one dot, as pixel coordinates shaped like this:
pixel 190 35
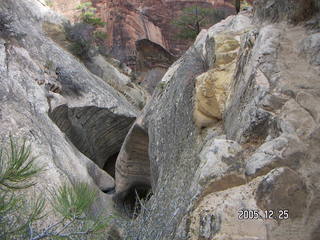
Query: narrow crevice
pixel 7 60
pixel 110 165
pixel 133 175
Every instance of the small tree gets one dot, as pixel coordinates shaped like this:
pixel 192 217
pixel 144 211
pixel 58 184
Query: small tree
pixel 88 14
pixel 86 40
pixel 194 18
pixel 18 215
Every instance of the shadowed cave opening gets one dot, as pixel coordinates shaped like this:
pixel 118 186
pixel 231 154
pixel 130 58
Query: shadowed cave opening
pixel 110 165
pixel 135 199
pixel 96 132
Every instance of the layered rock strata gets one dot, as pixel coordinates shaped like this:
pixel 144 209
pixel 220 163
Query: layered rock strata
pixel 133 169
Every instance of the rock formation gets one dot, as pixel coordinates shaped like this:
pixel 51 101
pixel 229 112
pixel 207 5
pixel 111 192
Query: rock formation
pixel 152 62
pixel 51 99
pixel 134 25
pixel 227 147
pixel 129 21
pixel 233 127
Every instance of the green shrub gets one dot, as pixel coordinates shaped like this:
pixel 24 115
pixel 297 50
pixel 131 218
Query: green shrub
pixel 19 216
pixel 80 48
pixel 100 36
pixel 84 37
pixel 88 14
pixel 81 37
pixel 6 28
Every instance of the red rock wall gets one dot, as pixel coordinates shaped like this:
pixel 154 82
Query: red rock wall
pixel 132 20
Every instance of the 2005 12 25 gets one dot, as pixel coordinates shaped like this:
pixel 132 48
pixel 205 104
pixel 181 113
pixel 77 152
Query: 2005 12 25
pixel 251 214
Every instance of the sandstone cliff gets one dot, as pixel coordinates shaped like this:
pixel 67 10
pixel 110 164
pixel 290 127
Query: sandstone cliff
pixel 129 21
pixel 233 125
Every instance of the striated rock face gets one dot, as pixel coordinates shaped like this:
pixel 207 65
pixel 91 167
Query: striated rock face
pixel 133 169
pixel 96 132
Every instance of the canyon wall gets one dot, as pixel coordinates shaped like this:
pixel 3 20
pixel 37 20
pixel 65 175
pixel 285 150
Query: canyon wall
pixel 129 21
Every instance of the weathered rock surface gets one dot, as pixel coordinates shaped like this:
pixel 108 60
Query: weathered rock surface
pixel 115 73
pixel 283 10
pixel 135 94
pixel 258 151
pixel 40 80
pixel 133 168
pixel 283 189
pixel 130 21
pixel 212 87
pixel 152 63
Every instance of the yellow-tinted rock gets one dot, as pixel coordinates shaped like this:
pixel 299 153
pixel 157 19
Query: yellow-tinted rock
pixel 212 87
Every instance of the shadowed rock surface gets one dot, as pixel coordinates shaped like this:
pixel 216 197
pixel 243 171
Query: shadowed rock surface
pixel 152 63
pixel 133 168
pixel 98 133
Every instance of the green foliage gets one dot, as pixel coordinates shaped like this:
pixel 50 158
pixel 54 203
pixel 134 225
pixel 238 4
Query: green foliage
pixel 83 34
pixel 100 36
pixel 16 172
pixel 19 215
pixel 73 201
pixel 80 48
pixel 88 14
pixel 237 5
pixel 194 18
pixel 6 28
pixel 162 85
pixel 84 5
pixel 17 167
